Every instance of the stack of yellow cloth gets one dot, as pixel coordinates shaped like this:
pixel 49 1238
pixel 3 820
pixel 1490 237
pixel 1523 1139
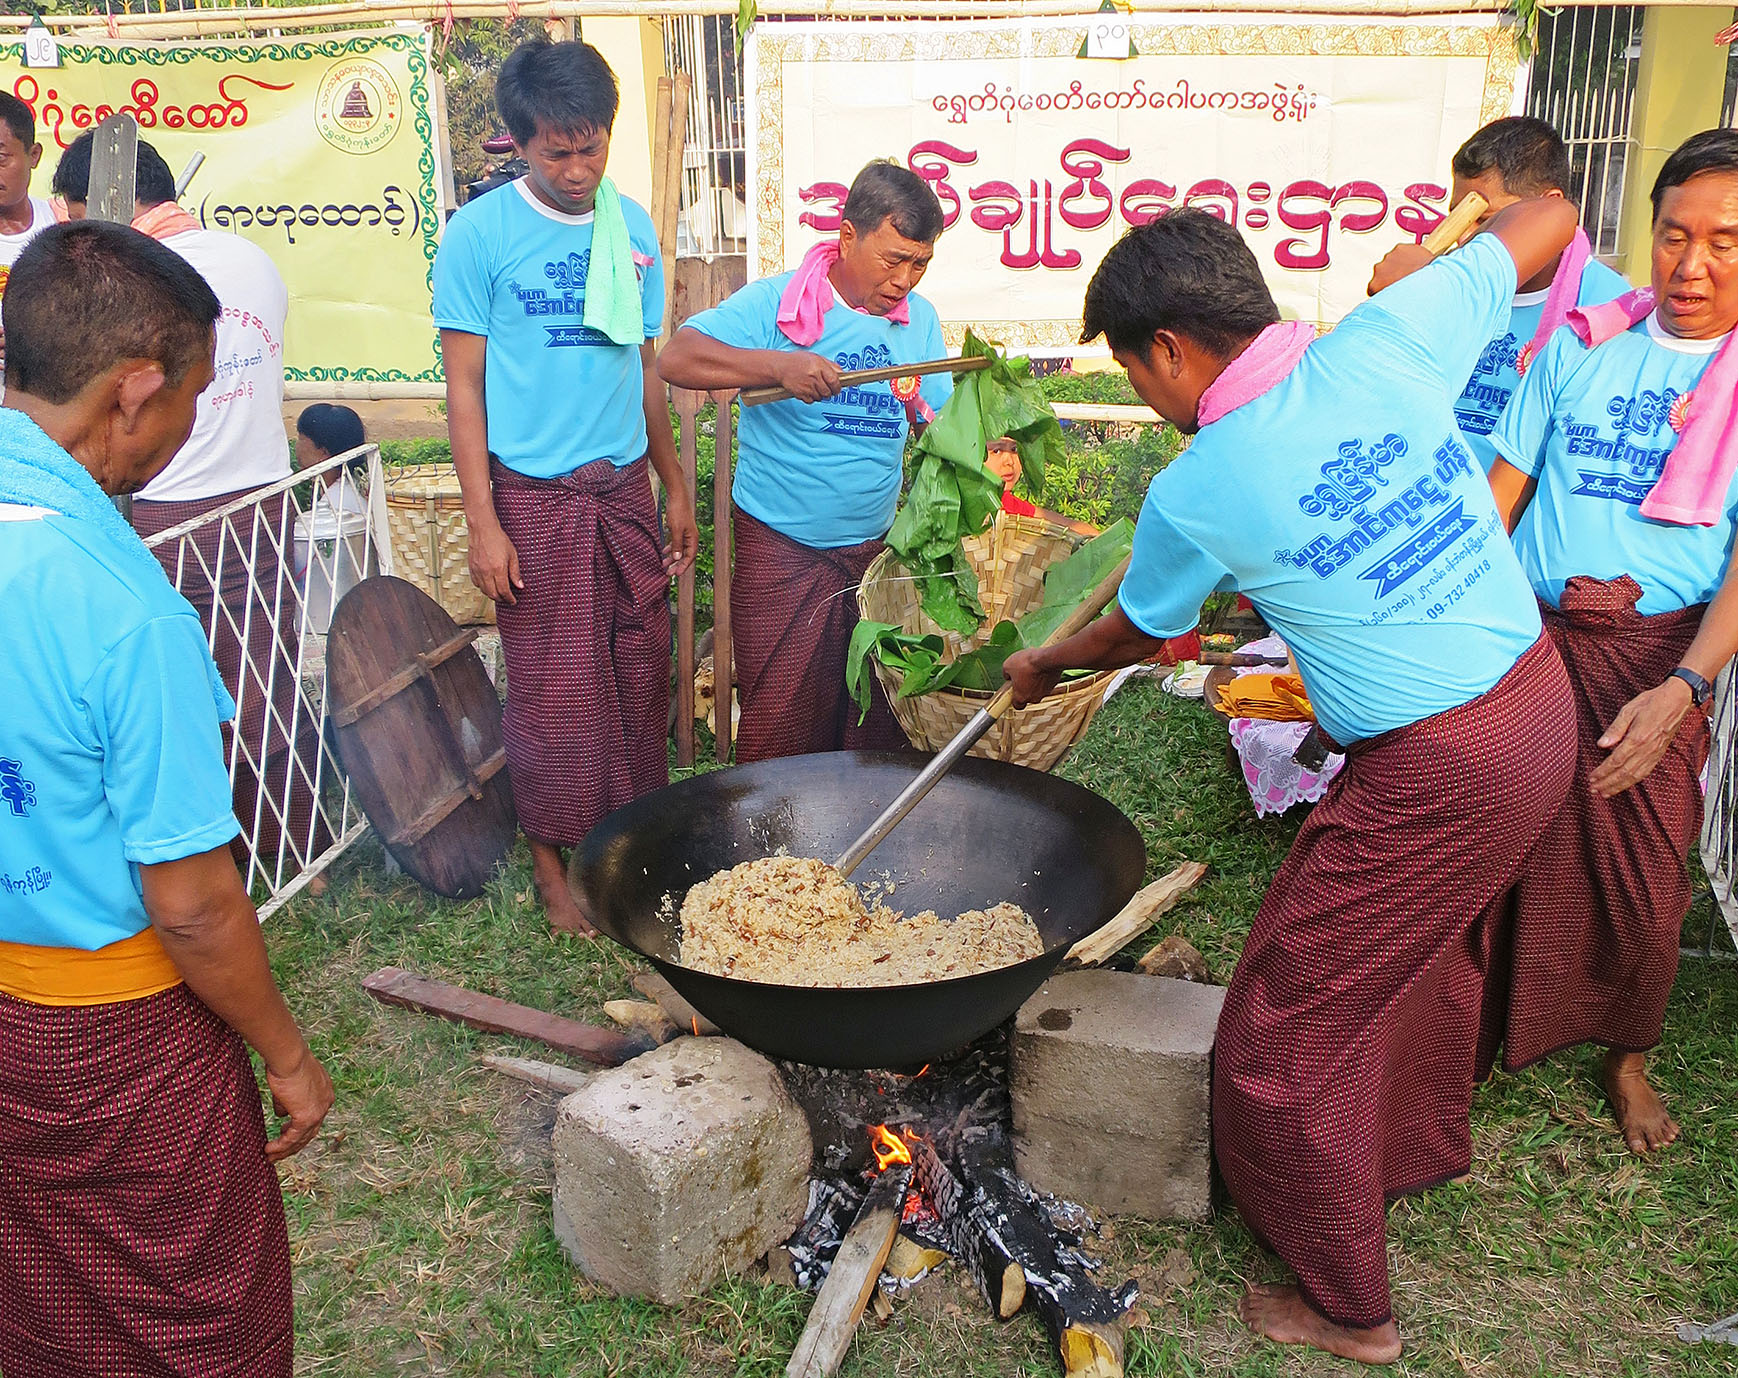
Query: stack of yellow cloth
pixel 1279 697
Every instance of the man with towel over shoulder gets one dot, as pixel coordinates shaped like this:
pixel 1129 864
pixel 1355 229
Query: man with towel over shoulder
pixel 1615 474
pixel 548 293
pixel 1329 482
pixel 817 478
pixel 141 1223
pixel 1506 161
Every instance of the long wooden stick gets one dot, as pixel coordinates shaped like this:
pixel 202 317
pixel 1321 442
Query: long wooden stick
pixel 839 1306
pixel 687 455
pixel 606 1047
pixel 755 397
pixel 1137 915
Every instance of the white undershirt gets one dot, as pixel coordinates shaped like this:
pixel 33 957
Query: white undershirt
pixel 1526 299
pixel 1661 336
pixel 21 512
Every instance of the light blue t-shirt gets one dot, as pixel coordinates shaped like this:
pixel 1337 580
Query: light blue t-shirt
pixel 558 393
pixel 1345 504
pixel 1594 426
pixel 1497 373
pixel 827 474
pixel 110 752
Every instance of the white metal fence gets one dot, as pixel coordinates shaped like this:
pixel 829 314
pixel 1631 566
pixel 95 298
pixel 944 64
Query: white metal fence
pixel 265 573
pixel 1583 83
pixel 714 217
pixel 1720 819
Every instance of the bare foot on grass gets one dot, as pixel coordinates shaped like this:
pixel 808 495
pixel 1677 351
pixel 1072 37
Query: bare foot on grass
pixel 318 885
pixel 1283 1316
pixel 1641 1115
pixel 565 915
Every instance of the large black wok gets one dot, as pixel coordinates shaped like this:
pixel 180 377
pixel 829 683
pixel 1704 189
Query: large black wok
pixel 988 832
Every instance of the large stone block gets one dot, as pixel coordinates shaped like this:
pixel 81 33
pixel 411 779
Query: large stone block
pixel 689 1161
pixel 1110 1078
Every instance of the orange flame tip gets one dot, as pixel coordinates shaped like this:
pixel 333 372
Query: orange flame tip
pixel 889 1148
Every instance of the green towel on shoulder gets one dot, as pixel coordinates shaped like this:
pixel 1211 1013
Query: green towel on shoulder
pixel 612 286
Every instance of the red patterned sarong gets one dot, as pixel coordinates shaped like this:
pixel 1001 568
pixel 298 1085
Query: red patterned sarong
pixel 141 1227
pixel 793 610
pixel 587 646
pixel 1343 1071
pixel 273 783
pixel 1588 947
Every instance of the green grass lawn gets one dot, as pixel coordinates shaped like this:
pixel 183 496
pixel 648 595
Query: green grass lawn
pixel 420 1229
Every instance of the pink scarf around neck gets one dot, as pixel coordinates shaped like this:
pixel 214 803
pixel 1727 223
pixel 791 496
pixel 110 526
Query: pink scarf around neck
pixel 808 296
pixel 1560 301
pixel 1263 366
pixel 1692 488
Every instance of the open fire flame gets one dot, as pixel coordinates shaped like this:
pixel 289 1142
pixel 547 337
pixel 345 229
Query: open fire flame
pixel 889 1148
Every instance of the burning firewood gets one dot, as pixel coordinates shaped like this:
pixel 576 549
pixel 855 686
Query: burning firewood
pixel 853 1275
pixel 643 1017
pixel 998 1233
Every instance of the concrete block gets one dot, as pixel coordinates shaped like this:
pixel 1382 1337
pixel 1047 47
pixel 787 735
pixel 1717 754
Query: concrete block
pixel 689 1161
pixel 1110 1080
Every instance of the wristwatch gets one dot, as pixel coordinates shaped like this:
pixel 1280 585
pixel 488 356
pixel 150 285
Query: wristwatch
pixel 1700 690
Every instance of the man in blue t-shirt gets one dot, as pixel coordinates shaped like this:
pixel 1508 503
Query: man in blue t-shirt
pixel 548 293
pixel 141 1222
pixel 1329 483
pixel 1642 605
pixel 1506 161
pixel 817 477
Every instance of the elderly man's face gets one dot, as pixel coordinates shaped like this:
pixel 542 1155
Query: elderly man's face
pixel 882 265
pixel 137 454
pixel 1695 257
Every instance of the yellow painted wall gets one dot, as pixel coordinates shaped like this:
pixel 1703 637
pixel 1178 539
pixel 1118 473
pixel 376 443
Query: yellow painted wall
pixel 1680 85
pixel 634 49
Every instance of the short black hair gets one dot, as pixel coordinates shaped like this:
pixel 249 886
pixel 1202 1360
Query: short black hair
pixel 1186 271
pixel 333 428
pixel 566 87
pixel 18 118
pixel 86 295
pixel 886 191
pixel 153 183
pixel 1713 150
pixel 1528 155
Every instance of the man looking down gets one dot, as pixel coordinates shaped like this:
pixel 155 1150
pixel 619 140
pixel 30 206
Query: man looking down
pixel 1329 483
pixel 548 293
pixel 817 478
pixel 1616 477
pixel 141 1223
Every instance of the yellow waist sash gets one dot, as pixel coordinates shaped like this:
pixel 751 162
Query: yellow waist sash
pixel 128 970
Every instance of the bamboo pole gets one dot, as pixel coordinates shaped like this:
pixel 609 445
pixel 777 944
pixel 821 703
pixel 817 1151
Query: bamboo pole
pixel 723 659
pixel 215 22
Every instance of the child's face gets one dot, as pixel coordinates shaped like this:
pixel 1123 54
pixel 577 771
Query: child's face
pixel 308 453
pixel 1003 461
pixel 17 161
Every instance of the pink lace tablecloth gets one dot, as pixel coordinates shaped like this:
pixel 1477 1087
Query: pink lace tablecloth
pixel 1265 749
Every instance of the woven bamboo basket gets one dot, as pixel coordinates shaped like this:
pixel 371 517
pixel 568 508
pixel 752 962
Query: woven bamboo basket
pixel 431 542
pixel 1010 559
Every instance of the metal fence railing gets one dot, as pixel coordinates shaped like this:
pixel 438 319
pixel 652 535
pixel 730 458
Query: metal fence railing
pixel 265 573
pixel 1583 82
pixel 1719 845
pixel 714 217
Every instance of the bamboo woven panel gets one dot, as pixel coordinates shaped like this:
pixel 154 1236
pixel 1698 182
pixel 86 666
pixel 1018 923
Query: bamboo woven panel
pixel 431 542
pixel 1010 559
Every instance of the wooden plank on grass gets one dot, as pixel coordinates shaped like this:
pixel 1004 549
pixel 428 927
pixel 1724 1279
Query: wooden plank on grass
pixel 606 1047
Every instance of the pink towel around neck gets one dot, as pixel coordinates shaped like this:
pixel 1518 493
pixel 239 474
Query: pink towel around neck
pixel 1560 301
pixel 1263 366
pixel 1692 488
pixel 808 296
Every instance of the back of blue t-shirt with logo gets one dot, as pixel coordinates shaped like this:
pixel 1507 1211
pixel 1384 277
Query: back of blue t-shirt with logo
pixel 558 393
pixel 1499 369
pixel 1595 426
pixel 826 474
pixel 1346 505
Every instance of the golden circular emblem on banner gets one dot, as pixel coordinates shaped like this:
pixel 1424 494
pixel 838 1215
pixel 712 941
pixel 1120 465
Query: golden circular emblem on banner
pixel 358 107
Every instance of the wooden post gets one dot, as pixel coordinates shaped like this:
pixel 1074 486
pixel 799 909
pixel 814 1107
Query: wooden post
pixel 687 452
pixel 675 142
pixel 723 662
